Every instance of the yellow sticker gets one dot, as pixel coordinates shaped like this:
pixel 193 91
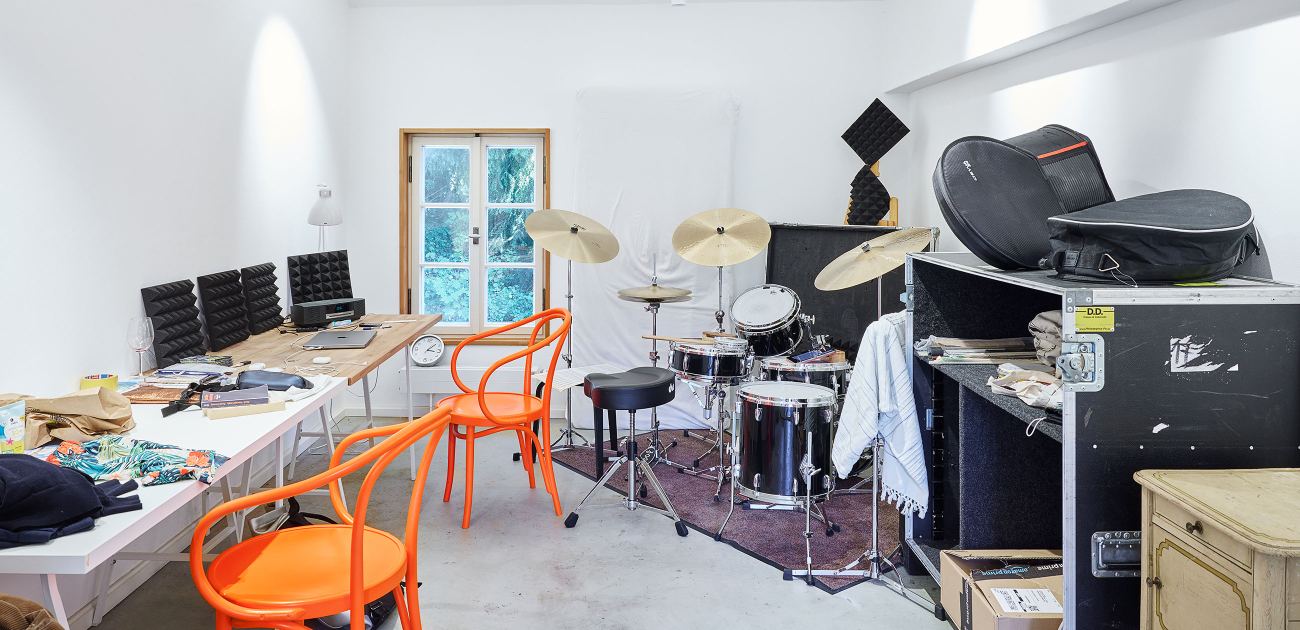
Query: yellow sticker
pixel 1094 319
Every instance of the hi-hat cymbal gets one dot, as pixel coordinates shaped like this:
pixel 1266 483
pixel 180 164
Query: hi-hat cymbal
pixel 872 259
pixel 721 237
pixel 571 236
pixel 655 293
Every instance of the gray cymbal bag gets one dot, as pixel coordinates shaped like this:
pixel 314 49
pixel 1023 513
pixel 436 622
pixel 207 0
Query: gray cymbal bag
pixel 1171 236
pixel 997 195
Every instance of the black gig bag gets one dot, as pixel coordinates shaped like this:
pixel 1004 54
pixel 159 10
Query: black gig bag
pixel 1171 236
pixel 997 195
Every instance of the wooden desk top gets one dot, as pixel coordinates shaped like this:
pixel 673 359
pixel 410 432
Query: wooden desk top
pixel 1257 507
pixel 272 347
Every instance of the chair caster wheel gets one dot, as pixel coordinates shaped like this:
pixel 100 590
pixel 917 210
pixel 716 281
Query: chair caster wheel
pixel 681 529
pixel 517 457
pixel 572 520
pixel 643 492
pixel 836 527
pixel 940 613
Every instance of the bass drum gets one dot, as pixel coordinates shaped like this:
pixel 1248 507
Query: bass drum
pixel 727 361
pixel 775 421
pixel 767 316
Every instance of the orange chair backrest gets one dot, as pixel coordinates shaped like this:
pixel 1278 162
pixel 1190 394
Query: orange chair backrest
pixel 556 337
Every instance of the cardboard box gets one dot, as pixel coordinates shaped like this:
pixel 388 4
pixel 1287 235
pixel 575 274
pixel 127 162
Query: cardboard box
pixel 1001 589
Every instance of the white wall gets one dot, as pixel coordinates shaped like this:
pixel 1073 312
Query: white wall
pixel 801 71
pixel 145 142
pixel 1199 94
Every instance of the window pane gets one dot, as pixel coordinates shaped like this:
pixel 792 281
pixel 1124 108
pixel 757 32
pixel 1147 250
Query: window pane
pixel 446 235
pixel 508 241
pixel 510 294
pixel 446 174
pixel 510 175
pixel 446 291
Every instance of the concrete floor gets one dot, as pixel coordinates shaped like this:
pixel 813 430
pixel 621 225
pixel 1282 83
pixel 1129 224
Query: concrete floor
pixel 518 566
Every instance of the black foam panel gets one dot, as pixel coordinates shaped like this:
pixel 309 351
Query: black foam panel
pixel 322 276
pixel 261 298
pixel 222 303
pixel 175 314
pixel 875 132
pixel 868 199
pixel 797 253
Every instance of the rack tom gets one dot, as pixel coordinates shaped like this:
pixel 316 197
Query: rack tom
pixel 776 421
pixel 767 316
pixel 726 361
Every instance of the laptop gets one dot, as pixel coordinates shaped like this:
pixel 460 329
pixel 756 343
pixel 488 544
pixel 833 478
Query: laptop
pixel 347 339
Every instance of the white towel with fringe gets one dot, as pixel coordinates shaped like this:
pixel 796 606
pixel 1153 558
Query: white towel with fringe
pixel 879 402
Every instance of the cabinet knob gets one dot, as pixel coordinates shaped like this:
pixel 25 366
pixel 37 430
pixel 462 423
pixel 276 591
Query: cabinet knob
pixel 1195 528
pixel 1154 582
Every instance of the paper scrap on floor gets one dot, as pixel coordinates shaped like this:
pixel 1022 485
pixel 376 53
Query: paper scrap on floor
pixel 572 377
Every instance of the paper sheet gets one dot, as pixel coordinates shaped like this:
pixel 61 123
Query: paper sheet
pixel 572 377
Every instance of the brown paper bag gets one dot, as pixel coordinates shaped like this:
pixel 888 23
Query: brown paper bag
pixel 80 416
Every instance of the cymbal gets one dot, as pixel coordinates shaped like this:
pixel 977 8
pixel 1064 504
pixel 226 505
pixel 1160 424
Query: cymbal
pixel 571 236
pixel 655 300
pixel 872 259
pixel 655 292
pixel 721 237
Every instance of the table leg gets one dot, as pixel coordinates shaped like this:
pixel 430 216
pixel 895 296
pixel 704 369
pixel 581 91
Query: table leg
pixel 329 438
pixel 54 601
pixel 103 579
pixel 410 408
pixel 365 394
pixel 279 469
pixel 241 515
pixel 293 455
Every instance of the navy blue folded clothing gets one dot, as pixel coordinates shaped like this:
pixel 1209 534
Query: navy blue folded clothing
pixel 40 501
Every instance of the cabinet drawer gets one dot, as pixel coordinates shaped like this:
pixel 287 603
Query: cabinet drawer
pixel 1178 520
pixel 1196 591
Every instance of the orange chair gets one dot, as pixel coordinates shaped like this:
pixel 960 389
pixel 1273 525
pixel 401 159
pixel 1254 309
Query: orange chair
pixel 492 412
pixel 280 579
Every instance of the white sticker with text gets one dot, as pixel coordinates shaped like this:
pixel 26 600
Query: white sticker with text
pixel 1027 600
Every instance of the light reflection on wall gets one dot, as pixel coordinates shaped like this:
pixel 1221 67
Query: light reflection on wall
pixel 997 23
pixel 278 91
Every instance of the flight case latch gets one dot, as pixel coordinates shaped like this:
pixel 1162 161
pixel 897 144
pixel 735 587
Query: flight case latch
pixel 1082 363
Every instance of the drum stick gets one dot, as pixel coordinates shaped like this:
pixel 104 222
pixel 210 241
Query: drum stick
pixel 677 339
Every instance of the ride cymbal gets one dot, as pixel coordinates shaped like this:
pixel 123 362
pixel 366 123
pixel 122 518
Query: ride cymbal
pixel 571 236
pixel 872 259
pixel 721 237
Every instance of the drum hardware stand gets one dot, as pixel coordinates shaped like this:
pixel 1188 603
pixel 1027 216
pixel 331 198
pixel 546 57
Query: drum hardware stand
pixel 719 314
pixel 656 449
pixel 637 463
pixel 873 556
pixel 714 391
pixel 567 433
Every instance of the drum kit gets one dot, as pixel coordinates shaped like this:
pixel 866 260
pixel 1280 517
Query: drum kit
pixel 774 442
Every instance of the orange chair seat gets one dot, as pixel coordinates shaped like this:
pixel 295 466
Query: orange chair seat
pixel 306 567
pixel 508 407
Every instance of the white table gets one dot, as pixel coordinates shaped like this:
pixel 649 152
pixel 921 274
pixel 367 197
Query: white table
pixel 237 438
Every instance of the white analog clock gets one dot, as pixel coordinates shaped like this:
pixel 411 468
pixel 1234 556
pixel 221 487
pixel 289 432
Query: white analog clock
pixel 426 350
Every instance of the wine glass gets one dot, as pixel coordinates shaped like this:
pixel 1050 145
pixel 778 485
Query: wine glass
pixel 139 335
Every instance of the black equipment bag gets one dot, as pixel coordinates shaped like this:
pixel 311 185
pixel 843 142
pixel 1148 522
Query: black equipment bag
pixel 997 195
pixel 1171 236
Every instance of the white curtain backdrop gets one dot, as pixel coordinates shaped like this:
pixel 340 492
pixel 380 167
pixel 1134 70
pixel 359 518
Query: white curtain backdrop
pixel 647 160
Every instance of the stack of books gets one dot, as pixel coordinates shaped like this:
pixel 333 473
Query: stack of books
pixel 1007 350
pixel 183 374
pixel 238 402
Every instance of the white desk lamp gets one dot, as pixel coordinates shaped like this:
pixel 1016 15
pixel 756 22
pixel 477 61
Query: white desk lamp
pixel 324 212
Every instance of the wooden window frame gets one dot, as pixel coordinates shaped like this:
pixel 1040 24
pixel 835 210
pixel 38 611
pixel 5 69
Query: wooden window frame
pixel 405 173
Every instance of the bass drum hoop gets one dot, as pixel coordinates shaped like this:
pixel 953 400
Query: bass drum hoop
pixel 777 499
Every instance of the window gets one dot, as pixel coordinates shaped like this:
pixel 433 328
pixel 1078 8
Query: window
pixel 468 257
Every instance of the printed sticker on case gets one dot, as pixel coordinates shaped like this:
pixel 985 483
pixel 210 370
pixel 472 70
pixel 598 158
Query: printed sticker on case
pixel 1027 600
pixel 1093 319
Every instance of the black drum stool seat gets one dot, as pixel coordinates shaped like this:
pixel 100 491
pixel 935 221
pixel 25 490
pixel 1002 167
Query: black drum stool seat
pixel 630 391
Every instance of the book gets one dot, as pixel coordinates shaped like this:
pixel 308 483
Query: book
pixel 247 410
pixel 235 398
pixel 13 427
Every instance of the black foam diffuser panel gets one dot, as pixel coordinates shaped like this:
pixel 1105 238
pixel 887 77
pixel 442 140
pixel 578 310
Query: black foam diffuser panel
pixel 222 303
pixel 261 297
pixel 174 310
pixel 322 276
pixel 875 132
pixel 868 200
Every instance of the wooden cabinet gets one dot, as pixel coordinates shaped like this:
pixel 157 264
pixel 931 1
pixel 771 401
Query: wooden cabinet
pixel 1221 549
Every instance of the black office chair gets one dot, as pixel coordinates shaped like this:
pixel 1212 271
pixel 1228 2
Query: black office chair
pixel 631 391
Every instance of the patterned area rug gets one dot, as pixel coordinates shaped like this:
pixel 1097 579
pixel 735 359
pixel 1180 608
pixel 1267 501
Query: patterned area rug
pixel 773 536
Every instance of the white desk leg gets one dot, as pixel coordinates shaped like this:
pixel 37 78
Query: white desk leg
pixel 54 601
pixel 293 455
pixel 103 579
pixel 329 438
pixel 370 416
pixel 279 469
pixel 410 408
pixel 241 515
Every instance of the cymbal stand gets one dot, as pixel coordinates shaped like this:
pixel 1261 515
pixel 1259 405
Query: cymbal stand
pixel 720 314
pixel 874 558
pixel 567 433
pixel 656 450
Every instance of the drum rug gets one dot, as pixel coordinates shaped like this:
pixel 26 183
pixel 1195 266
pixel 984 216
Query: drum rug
pixel 773 536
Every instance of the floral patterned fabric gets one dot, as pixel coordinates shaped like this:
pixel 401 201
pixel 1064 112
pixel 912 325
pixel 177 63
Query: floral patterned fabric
pixel 123 458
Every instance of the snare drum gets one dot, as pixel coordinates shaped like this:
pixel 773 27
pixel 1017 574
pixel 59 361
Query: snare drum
pixel 832 375
pixel 775 418
pixel 703 362
pixel 767 316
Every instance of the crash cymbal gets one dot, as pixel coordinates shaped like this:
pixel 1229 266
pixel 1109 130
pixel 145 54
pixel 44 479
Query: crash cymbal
pixel 872 259
pixel 571 236
pixel 721 237
pixel 655 292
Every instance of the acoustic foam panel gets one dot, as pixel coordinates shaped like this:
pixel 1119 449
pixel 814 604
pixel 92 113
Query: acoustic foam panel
pixel 222 304
pixel 797 253
pixel 868 199
pixel 875 132
pixel 261 298
pixel 323 276
pixel 175 315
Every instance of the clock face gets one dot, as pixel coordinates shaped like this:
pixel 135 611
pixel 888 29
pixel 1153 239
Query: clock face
pixel 427 350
